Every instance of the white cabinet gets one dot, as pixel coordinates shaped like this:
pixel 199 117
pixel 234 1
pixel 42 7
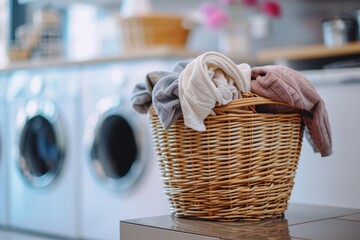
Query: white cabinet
pixel 334 180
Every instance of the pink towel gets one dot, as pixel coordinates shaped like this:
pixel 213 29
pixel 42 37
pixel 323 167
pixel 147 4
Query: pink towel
pixel 287 85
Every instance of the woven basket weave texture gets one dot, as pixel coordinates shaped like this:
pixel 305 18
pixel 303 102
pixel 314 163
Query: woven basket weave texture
pixel 242 167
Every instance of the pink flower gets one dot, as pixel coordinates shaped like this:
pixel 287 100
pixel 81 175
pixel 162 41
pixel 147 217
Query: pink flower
pixel 215 17
pixel 272 8
pixel 208 8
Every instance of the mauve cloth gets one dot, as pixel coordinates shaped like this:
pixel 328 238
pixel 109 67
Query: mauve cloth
pixel 287 85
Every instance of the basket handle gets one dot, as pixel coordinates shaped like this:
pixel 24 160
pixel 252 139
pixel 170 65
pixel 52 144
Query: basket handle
pixel 248 103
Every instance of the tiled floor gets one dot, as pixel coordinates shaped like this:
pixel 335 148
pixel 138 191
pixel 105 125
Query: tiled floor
pixel 330 229
pixel 300 222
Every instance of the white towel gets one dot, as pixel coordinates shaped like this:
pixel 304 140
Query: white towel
pixel 210 79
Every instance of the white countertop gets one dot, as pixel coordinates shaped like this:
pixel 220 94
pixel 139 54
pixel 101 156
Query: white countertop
pixel 306 52
pixel 333 76
pixel 318 76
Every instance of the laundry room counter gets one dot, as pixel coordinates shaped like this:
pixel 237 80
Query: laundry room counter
pixel 300 222
pixel 299 58
pixel 160 52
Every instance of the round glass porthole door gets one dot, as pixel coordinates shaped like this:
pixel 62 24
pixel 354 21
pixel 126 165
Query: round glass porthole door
pixel 114 147
pixel 41 144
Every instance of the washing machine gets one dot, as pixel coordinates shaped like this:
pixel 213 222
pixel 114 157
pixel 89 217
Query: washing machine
pixel 3 154
pixel 44 113
pixel 121 177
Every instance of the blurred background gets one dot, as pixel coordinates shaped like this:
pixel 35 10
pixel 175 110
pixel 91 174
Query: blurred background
pixel 77 24
pixel 75 159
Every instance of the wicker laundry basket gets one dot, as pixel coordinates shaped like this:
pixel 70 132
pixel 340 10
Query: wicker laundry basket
pixel 153 30
pixel 242 167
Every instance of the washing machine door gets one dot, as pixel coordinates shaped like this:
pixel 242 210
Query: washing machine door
pixel 114 144
pixel 1 146
pixel 41 144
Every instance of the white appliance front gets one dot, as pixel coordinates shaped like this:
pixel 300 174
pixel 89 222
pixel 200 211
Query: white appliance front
pixel 121 177
pixel 44 164
pixel 331 180
pixel 3 155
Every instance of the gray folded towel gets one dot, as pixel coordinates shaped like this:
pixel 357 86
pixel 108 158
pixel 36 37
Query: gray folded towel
pixel 142 92
pixel 166 99
pixel 161 90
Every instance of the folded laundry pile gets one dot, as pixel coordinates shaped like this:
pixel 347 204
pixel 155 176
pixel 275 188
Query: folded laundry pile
pixel 194 87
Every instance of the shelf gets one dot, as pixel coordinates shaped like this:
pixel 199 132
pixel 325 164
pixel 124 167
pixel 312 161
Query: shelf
pixel 308 52
pixel 159 52
pixel 162 52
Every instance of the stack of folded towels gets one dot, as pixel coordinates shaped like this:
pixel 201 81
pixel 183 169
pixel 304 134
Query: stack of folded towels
pixel 194 87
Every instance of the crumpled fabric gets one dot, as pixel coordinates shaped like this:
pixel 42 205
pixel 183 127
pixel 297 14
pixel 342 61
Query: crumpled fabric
pixel 284 84
pixel 166 100
pixel 209 80
pixel 141 98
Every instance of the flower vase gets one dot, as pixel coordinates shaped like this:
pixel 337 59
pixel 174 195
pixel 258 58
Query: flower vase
pixel 234 39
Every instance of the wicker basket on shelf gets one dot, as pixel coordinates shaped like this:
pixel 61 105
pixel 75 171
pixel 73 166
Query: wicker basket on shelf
pixel 154 30
pixel 241 167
